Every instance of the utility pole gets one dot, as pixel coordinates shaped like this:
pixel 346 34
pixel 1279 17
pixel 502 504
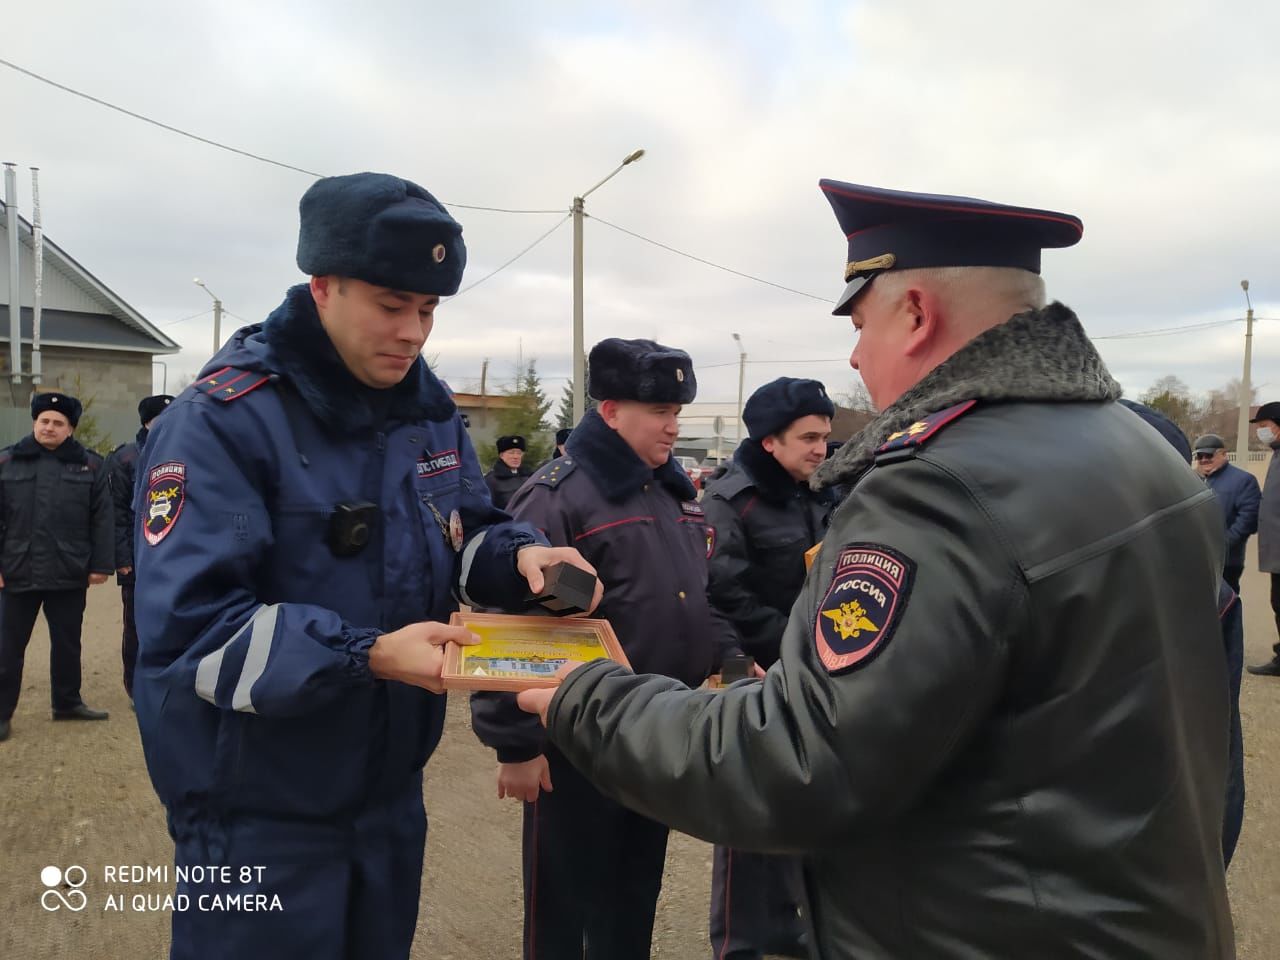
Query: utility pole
pixel 579 355
pixel 579 351
pixel 1246 391
pixel 742 372
pixel 217 314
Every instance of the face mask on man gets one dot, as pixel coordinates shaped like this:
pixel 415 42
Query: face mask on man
pixel 1266 435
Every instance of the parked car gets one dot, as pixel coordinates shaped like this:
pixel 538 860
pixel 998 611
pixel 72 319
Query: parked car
pixel 692 470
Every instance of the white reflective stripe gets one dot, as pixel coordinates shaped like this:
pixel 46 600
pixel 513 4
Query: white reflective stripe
pixel 210 666
pixel 468 556
pixel 255 661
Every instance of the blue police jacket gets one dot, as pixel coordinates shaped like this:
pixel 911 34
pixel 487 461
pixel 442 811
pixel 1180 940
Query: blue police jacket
pixel 1239 496
pixel 253 692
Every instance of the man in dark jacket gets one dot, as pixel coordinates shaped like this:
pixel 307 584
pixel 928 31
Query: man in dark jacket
pixel 593 869
pixel 1239 496
pixel 55 509
pixel 562 436
pixel 309 511
pixel 996 728
pixel 122 471
pixel 1266 424
pixel 508 473
pixel 765 516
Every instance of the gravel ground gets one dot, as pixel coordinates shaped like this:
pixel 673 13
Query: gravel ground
pixel 79 794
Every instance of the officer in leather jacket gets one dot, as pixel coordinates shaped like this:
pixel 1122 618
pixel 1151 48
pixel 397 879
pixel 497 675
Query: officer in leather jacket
pixel 996 728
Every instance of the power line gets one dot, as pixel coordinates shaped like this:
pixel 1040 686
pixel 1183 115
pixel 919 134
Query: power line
pixel 734 363
pixel 1167 331
pixel 214 143
pixel 494 273
pixel 709 263
pixel 170 323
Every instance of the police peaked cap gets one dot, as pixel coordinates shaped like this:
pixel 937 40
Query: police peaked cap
pixel 511 442
pixel 640 370
pixel 779 403
pixel 62 403
pixel 382 230
pixel 897 230
pixel 151 407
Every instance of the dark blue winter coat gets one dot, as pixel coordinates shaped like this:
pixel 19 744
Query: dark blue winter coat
pixel 253 691
pixel 1239 496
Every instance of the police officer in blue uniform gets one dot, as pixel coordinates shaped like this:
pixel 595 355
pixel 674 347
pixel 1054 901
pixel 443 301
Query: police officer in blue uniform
pixel 122 471
pixel 308 513
pixel 592 868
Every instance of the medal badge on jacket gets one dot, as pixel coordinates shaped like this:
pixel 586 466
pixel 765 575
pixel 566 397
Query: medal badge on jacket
pixel 166 493
pixel 451 528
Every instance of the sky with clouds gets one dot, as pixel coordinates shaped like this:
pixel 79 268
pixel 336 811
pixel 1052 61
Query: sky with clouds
pixel 1156 123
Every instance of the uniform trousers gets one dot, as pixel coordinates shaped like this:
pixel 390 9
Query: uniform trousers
pixel 271 887
pixel 592 872
pixel 64 612
pixel 129 637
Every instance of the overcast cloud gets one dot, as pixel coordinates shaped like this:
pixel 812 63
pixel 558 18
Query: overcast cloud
pixel 1155 123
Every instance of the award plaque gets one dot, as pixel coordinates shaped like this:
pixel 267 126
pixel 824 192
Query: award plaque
pixel 518 653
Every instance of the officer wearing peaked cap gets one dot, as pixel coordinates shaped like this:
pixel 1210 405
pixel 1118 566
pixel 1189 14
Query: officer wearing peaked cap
pixel 307 513
pixel 122 472
pixel 508 473
pixel 967 735
pixel 592 868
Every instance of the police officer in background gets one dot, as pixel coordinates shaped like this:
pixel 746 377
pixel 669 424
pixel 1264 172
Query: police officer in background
pixel 55 541
pixel 562 435
pixel 765 517
pixel 122 471
pixel 996 728
pixel 508 473
pixel 307 510
pixel 592 868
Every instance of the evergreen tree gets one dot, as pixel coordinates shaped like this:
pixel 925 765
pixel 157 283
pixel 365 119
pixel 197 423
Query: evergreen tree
pixel 564 413
pixel 526 418
pixel 87 432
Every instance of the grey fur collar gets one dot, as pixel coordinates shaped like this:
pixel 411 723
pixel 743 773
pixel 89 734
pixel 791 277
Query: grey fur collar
pixel 1041 355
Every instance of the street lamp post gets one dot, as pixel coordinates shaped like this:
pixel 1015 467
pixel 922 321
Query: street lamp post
pixel 742 372
pixel 579 356
pixel 1246 393
pixel 217 314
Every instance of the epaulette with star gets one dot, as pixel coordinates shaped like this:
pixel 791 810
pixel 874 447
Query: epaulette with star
pixel 903 444
pixel 230 383
pixel 555 471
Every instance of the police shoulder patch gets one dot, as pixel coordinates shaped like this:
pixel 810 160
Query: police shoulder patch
pixel 230 383
pixel 166 493
pixel 869 590
pixel 905 443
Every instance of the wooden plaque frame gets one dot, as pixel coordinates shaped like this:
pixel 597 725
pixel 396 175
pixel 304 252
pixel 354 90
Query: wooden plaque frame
pixel 501 660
